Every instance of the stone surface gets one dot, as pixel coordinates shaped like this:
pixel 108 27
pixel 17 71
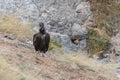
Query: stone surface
pixel 78 30
pixel 63 17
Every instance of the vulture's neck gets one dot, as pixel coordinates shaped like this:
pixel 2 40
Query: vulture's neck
pixel 42 32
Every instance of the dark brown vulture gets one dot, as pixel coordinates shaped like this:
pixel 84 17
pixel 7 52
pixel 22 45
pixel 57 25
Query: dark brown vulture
pixel 41 39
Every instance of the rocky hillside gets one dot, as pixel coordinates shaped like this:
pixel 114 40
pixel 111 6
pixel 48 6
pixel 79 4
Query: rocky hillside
pixel 92 24
pixel 64 19
pixel 19 62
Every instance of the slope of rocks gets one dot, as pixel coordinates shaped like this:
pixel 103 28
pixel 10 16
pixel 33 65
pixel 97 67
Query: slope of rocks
pixel 64 19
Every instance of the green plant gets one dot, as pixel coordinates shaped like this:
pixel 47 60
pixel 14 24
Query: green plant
pixel 54 44
pixel 96 43
pixel 23 78
pixel 23 66
pixel 106 17
pixel 51 47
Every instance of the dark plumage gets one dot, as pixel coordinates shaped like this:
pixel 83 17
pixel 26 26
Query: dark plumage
pixel 41 39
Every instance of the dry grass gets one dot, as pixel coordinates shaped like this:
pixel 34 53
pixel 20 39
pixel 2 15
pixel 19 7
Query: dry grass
pixel 101 32
pixel 104 70
pixel 12 25
pixel 97 42
pixel 8 72
pixel 15 70
pixel 106 15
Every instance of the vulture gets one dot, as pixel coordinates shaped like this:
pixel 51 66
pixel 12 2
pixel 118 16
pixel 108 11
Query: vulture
pixel 41 39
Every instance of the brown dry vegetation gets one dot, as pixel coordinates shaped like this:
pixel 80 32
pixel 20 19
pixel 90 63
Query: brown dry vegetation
pixel 106 17
pixel 12 25
pixel 20 63
pixel 17 64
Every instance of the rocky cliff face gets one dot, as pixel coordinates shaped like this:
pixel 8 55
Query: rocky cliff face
pixel 64 19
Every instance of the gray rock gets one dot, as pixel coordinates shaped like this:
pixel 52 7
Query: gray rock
pixel 60 17
pixel 68 46
pixel 78 30
pixel 83 11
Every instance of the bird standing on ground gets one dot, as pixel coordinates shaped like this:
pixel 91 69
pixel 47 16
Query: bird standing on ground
pixel 41 40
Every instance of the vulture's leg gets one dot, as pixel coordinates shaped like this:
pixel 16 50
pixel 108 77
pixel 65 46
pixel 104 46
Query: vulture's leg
pixel 43 54
pixel 38 55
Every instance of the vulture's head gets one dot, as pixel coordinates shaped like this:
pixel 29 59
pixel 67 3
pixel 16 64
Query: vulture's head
pixel 41 28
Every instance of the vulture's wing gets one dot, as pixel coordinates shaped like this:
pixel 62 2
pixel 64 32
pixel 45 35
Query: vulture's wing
pixel 34 38
pixel 47 40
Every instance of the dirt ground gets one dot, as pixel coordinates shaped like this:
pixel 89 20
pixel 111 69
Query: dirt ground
pixel 24 61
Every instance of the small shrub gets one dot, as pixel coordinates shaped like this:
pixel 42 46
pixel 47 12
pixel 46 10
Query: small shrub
pixel 106 17
pixel 51 47
pixel 96 43
pixel 54 44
